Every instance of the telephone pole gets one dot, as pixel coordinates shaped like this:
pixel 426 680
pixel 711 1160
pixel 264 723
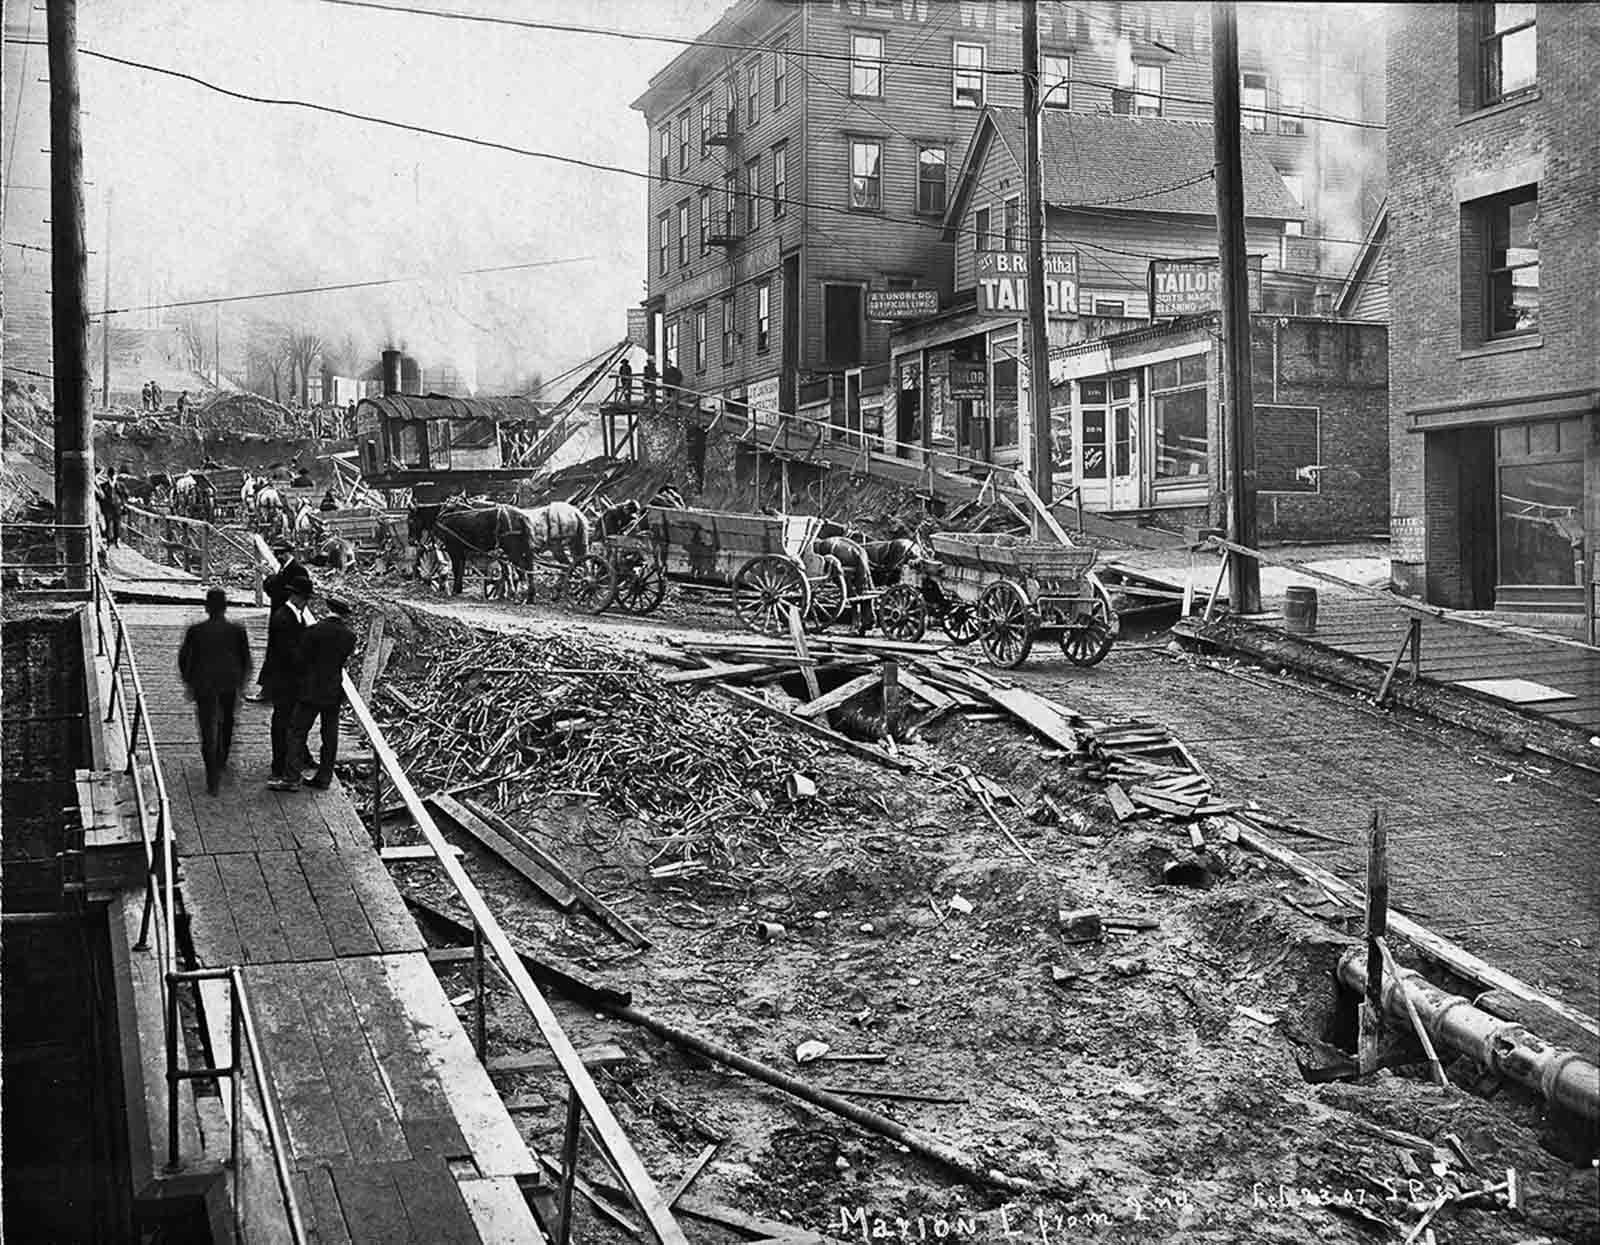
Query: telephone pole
pixel 1238 422
pixel 105 314
pixel 69 316
pixel 1037 354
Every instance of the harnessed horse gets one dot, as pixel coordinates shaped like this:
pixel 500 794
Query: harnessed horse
pixel 486 531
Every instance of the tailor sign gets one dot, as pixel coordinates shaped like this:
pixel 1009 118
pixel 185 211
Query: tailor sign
pixel 1187 287
pixel 1003 284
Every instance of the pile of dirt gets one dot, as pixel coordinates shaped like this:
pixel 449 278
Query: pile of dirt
pixel 246 412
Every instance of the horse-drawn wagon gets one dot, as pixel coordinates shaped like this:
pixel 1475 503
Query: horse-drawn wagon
pixel 1004 590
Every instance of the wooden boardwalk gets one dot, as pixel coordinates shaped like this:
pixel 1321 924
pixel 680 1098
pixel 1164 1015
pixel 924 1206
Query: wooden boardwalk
pixel 396 1133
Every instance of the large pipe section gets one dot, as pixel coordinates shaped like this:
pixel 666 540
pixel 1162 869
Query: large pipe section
pixel 1564 1077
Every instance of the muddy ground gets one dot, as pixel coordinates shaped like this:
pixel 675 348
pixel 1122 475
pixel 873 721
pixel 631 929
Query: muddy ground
pixel 1134 1091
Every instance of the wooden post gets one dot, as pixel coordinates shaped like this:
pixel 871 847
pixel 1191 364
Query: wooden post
pixel 1216 588
pixel 1036 339
pixel 891 687
pixel 797 633
pixel 1435 1067
pixel 1411 639
pixel 1415 632
pixel 1371 1012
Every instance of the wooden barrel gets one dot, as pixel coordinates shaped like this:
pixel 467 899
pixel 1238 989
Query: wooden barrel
pixel 1300 610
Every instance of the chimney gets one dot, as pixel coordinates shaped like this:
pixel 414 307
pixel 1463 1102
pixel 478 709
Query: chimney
pixel 391 372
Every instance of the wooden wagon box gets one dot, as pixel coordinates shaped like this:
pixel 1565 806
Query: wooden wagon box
pixel 359 527
pixel 986 556
pixel 714 544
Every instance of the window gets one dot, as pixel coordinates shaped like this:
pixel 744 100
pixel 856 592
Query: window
pixel 1511 223
pixel 1252 99
pixel 967 79
pixel 683 142
pixel 1004 388
pixel 866 66
pixel 664 164
pixel 727 328
pixel 670 353
pixel 683 233
pixel 700 339
pixel 1145 99
pixel 1110 307
pixel 780 75
pixel 705 222
pixel 931 167
pixel 664 242
pixel 730 204
pixel 764 315
pixel 1541 498
pixel 752 93
pixel 705 127
pixel 982 229
pixel 866 175
pixel 752 195
pixel 1295 184
pixel 1178 397
pixel 1291 98
pixel 1012 239
pixel 780 180
pixel 842 307
pixel 730 107
pixel 1055 81
pixel 1507 51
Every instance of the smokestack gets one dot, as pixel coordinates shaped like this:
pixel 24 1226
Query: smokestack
pixel 391 372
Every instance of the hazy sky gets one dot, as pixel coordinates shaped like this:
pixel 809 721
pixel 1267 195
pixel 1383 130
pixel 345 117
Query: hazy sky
pixel 217 196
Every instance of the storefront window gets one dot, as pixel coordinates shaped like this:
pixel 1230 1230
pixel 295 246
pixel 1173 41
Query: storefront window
pixel 1005 403
pixel 1178 398
pixel 1541 502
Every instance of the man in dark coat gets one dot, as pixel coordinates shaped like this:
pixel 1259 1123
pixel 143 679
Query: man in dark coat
pixel 649 387
pixel 671 386
pixel 214 661
pixel 281 671
pixel 276 588
pixel 625 380
pixel 324 649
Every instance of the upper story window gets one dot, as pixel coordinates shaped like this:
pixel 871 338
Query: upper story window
pixel 967 75
pixel 700 339
pixel 752 92
pixel 780 180
pixel 1295 183
pixel 730 204
pixel 866 174
pixel 1013 225
pixel 764 315
pixel 866 65
pixel 683 233
pixel 1511 294
pixel 1291 99
pixel 669 356
pixel 752 195
pixel 780 74
pixel 664 163
pixel 727 328
pixel 1144 100
pixel 730 105
pixel 982 229
pixel 705 127
pixel 1253 102
pixel 1507 51
pixel 932 164
pixel 683 142
pixel 1055 81
pixel 664 238
pixel 705 222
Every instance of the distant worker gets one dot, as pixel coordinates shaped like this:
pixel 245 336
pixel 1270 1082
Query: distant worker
pixel 649 382
pixel 144 397
pixel 156 396
pixel 183 402
pixel 329 502
pixel 671 385
pixel 324 649
pixel 625 381
pixel 214 661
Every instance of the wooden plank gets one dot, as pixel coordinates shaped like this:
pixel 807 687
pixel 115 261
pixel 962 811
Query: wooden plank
pixel 821 704
pixel 420 1103
pixel 372 1207
pixel 412 851
pixel 1038 713
pixel 1172 805
pixel 385 911
pixel 369 660
pixel 722 670
pixel 323 1214
pixel 433 1204
pixel 360 1089
pixel 551 886
pixel 1121 806
pixel 1020 478
pixel 797 636
pixel 298 915
pixel 342 914
pixel 216 940
pixel 309 1112
pixel 500 1212
pixel 760 705
pixel 605 1055
pixel 260 934
pixel 925 691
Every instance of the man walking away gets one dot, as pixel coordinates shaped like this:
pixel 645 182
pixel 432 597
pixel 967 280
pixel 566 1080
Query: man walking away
pixel 214 661
pixel 280 674
pixel 324 649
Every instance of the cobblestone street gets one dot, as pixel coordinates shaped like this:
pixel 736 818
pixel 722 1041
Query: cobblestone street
pixel 1507 868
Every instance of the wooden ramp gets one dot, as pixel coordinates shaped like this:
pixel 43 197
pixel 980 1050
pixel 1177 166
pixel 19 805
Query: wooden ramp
pixel 395 1132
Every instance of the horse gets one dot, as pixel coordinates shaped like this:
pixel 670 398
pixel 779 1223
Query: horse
pixel 306 523
pixel 618 520
pixel 560 530
pixel 194 496
pixel 482 530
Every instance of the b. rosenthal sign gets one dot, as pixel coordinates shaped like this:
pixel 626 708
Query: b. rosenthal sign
pixel 1003 283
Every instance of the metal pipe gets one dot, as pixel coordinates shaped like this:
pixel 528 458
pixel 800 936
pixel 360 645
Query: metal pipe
pixel 1565 1078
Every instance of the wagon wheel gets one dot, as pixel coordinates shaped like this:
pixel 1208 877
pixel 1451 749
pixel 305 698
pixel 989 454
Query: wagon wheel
pixel 828 595
pixel 765 589
pixel 1006 624
pixel 902 614
pixel 1088 639
pixel 589 584
pixel 641 584
pixel 960 622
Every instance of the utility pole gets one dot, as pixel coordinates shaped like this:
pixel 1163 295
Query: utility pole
pixel 216 346
pixel 69 317
pixel 1037 354
pixel 1239 438
pixel 105 314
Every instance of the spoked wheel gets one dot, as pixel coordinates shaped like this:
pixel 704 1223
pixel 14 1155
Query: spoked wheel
pixel 589 584
pixel 765 589
pixel 827 595
pixel 1005 624
pixel 960 622
pixel 641 584
pixel 902 614
pixel 1089 637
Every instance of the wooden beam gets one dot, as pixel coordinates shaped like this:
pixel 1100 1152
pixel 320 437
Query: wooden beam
pixel 821 704
pixel 605 1055
pixel 797 636
pixel 1043 511
pixel 469 823
pixel 1377 912
pixel 760 705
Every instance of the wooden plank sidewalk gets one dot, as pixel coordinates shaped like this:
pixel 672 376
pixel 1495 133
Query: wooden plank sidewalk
pixel 394 1129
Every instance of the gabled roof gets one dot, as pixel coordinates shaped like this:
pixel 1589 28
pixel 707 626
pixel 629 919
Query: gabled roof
pixel 1115 163
pixel 1361 271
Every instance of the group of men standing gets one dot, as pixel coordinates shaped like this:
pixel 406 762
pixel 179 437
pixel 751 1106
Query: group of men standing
pixel 671 383
pixel 302 677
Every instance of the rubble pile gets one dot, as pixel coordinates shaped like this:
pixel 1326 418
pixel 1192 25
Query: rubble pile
pixel 244 412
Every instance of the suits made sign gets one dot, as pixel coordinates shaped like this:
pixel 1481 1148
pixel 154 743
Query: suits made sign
pixel 1003 284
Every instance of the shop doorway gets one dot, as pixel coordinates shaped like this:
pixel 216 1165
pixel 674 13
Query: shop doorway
pixel 1107 439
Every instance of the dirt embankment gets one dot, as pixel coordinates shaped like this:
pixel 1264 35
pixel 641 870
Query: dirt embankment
pixel 1147 1082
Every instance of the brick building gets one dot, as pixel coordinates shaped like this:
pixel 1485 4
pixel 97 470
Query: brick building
pixel 803 159
pixel 1494 264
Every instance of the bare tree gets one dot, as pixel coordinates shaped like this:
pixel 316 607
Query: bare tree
pixel 264 360
pixel 301 348
pixel 195 341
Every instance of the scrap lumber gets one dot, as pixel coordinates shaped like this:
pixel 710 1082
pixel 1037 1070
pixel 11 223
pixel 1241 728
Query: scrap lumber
pixel 1122 808
pixel 469 823
pixel 596 907
pixel 750 1227
pixel 604 1055
pixel 760 705
pixel 797 636
pixel 720 670
pixel 415 851
pixel 691 1173
pixel 370 660
pixel 548 970
pixel 1037 713
pixel 1435 1068
pixel 925 691
pixel 821 704
pixel 1163 802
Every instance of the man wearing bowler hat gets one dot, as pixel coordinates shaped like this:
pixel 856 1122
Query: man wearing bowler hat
pixel 281 670
pixel 214 661
pixel 324 649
